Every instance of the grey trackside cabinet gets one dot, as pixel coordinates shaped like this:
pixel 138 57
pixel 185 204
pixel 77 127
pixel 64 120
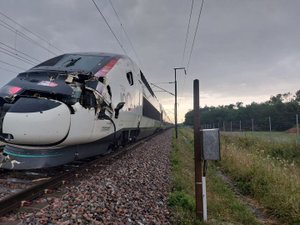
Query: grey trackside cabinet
pixel 210 144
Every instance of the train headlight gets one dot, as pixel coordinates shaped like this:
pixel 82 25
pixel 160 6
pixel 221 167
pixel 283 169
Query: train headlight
pixel 11 90
pixel 14 90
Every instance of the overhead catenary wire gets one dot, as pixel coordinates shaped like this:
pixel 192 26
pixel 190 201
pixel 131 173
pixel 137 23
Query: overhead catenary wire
pixel 125 32
pixel 162 89
pixel 181 98
pixel 187 31
pixel 195 34
pixel 11 71
pixel 23 53
pixel 11 52
pixel 111 30
pixel 29 31
pixel 9 64
pixel 24 36
pixel 166 82
pixel 4 51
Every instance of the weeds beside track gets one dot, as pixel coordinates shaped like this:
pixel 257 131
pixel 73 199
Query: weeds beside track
pixel 223 206
pixel 266 171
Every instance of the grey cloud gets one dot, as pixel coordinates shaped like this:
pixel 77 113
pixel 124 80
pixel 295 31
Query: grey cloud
pixel 243 48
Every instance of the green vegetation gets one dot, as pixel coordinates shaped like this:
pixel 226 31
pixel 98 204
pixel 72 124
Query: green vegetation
pixel 181 199
pixel 223 206
pixel 267 171
pixel 280 147
pixel 278 137
pixel 282 109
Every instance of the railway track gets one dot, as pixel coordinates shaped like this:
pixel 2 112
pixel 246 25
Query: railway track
pixel 20 188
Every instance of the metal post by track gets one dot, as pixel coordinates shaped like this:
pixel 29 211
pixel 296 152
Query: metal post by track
pixel 176 106
pixel 198 153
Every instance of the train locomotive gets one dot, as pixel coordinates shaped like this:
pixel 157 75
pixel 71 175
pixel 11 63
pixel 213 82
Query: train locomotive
pixel 75 106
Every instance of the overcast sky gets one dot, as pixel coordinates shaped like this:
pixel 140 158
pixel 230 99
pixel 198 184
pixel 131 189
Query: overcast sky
pixel 244 50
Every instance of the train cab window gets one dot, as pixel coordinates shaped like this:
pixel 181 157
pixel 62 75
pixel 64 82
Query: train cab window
pixel 130 78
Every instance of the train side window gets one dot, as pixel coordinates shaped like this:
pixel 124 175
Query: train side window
pixel 130 78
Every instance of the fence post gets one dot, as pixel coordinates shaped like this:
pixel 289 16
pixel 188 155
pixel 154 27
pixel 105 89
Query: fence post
pixel 252 123
pixel 231 126
pixel 224 126
pixel 270 124
pixel 240 125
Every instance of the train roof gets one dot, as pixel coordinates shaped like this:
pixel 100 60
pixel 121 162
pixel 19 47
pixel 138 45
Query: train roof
pixel 97 54
pixel 86 62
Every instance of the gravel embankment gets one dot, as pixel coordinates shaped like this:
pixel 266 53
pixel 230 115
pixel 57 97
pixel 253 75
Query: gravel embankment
pixel 132 189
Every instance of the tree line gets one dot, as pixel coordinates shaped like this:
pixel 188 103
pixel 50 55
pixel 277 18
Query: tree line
pixel 280 110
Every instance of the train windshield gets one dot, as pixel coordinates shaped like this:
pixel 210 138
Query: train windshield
pixel 74 62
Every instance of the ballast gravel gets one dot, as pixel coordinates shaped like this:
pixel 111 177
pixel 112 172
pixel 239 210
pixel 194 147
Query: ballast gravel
pixel 131 189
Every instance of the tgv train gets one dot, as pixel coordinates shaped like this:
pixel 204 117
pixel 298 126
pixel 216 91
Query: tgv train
pixel 75 106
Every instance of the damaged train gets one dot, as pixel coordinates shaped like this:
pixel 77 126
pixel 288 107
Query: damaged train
pixel 75 106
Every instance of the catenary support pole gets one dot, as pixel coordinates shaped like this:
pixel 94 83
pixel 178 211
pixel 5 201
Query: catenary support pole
pixel 198 153
pixel 176 106
pixel 176 128
pixel 297 125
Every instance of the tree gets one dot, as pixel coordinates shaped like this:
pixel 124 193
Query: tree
pixel 297 96
pixel 239 104
pixel 276 99
pixel 287 97
pixel 281 108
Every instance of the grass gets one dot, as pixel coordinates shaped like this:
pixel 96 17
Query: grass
pixel 223 206
pixel 274 136
pixel 181 198
pixel 282 148
pixel 269 172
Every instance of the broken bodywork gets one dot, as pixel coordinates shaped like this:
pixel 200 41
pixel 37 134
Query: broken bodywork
pixel 38 106
pixel 75 106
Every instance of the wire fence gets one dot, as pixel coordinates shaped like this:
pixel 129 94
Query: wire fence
pixel 288 125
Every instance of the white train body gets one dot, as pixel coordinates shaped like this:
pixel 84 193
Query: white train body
pixel 75 106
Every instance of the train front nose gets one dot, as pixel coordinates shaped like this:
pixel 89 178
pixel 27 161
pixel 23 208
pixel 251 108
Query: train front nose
pixel 36 121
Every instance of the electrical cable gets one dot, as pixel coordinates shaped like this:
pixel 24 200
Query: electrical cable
pixel 195 34
pixel 126 34
pixel 103 116
pixel 166 82
pixel 11 65
pixel 16 57
pixel 29 31
pixel 109 27
pixel 23 35
pixel 19 52
pixel 188 31
pixel 11 71
pixel 186 39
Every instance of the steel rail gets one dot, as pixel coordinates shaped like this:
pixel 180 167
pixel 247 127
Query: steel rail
pixel 17 200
